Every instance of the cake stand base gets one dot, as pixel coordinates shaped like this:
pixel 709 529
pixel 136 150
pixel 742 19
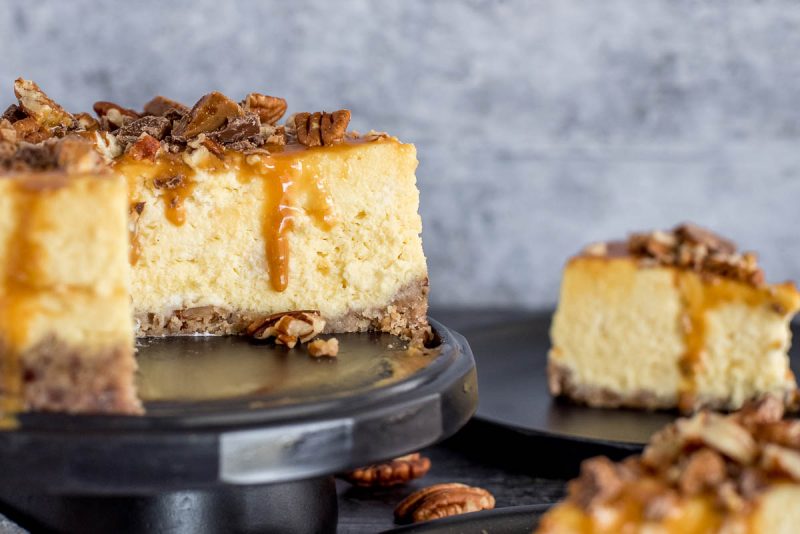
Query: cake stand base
pixel 302 506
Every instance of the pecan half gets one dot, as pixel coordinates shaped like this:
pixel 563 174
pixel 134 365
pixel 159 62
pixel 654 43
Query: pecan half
pixel 210 113
pixel 288 328
pixel 268 108
pixel 321 128
pixel 145 148
pixel 324 347
pixel 37 105
pixel 442 500
pixel 390 473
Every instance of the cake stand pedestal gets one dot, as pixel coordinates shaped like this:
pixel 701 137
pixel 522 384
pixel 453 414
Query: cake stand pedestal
pixel 238 437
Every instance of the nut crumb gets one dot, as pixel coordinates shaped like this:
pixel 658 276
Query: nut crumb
pixel 288 327
pixel 324 347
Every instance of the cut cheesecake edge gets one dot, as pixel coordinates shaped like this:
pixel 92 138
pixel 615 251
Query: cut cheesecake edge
pixel 635 331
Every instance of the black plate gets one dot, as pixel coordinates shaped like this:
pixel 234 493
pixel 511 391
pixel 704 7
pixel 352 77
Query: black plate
pixel 511 353
pixel 225 411
pixel 511 520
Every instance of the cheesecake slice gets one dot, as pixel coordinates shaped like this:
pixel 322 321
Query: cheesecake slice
pixel 66 337
pixel 702 475
pixel 220 221
pixel 670 319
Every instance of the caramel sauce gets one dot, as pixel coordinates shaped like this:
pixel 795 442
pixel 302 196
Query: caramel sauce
pixel 699 296
pixel 18 287
pixel 291 180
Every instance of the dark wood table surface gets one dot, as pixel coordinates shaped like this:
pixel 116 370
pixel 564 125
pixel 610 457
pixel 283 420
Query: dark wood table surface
pixel 515 469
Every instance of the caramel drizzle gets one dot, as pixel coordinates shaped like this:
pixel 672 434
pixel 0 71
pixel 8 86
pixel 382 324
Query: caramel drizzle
pixel 18 288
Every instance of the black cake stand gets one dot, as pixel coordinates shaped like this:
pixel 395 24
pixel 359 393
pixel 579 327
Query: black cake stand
pixel 238 437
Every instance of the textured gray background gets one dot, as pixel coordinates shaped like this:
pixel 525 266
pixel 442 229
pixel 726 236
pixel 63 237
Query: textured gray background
pixel 540 125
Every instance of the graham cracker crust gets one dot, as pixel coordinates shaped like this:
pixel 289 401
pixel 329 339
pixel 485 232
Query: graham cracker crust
pixel 62 378
pixel 405 316
pixel 561 384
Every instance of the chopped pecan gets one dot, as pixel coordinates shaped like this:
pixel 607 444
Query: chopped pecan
pixel 87 122
pixel 442 500
pixel 390 473
pixel 598 482
pixel 156 127
pixel 704 469
pixel 8 133
pixel 212 146
pixel 112 114
pixel 277 137
pixel 237 129
pixel 14 113
pixel 30 131
pixel 37 105
pixel 781 460
pixel 324 347
pixel 785 433
pixel 210 113
pixel 269 108
pixel 169 182
pixel 162 106
pixel 76 155
pixel 723 434
pixel 288 328
pixel 145 148
pixel 596 249
pixel 695 235
pixel 768 409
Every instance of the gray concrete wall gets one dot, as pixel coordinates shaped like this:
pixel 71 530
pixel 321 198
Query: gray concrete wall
pixel 540 125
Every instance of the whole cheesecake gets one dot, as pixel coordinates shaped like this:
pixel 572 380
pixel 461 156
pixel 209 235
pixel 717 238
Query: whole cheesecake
pixel 671 319
pixel 709 474
pixel 172 220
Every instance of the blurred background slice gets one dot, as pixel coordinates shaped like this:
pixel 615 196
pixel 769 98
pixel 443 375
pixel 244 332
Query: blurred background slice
pixel 540 125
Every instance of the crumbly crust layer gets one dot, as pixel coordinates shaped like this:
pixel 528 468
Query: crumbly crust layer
pixel 404 316
pixel 561 383
pixel 62 378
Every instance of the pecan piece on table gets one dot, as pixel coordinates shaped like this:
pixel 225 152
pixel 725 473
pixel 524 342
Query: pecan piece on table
pixel 324 347
pixel 442 500
pixel 390 473
pixel 289 327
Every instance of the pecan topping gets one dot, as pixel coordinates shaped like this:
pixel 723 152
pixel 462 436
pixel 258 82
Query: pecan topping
pixel 161 106
pixel 112 114
pixel 210 113
pixel 8 133
pixel 390 473
pixel 38 106
pixel 77 155
pixel 268 108
pixel 781 460
pixel 30 131
pixel 87 122
pixel 145 148
pixel 321 128
pixel 324 347
pixel 288 328
pixel 213 147
pixel 442 500
pixel 694 248
pixel 704 470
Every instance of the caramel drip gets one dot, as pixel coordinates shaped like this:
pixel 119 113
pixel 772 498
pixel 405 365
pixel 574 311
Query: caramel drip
pixel 18 288
pixel 287 179
pixel 699 296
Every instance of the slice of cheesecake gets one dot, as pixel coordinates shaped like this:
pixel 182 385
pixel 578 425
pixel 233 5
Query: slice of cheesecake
pixel 670 319
pixel 227 220
pixel 708 474
pixel 66 338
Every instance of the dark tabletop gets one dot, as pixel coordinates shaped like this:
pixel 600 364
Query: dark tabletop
pixel 515 469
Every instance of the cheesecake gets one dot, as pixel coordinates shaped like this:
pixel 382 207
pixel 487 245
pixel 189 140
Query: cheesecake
pixel 220 221
pixel 66 337
pixel 707 474
pixel 670 319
